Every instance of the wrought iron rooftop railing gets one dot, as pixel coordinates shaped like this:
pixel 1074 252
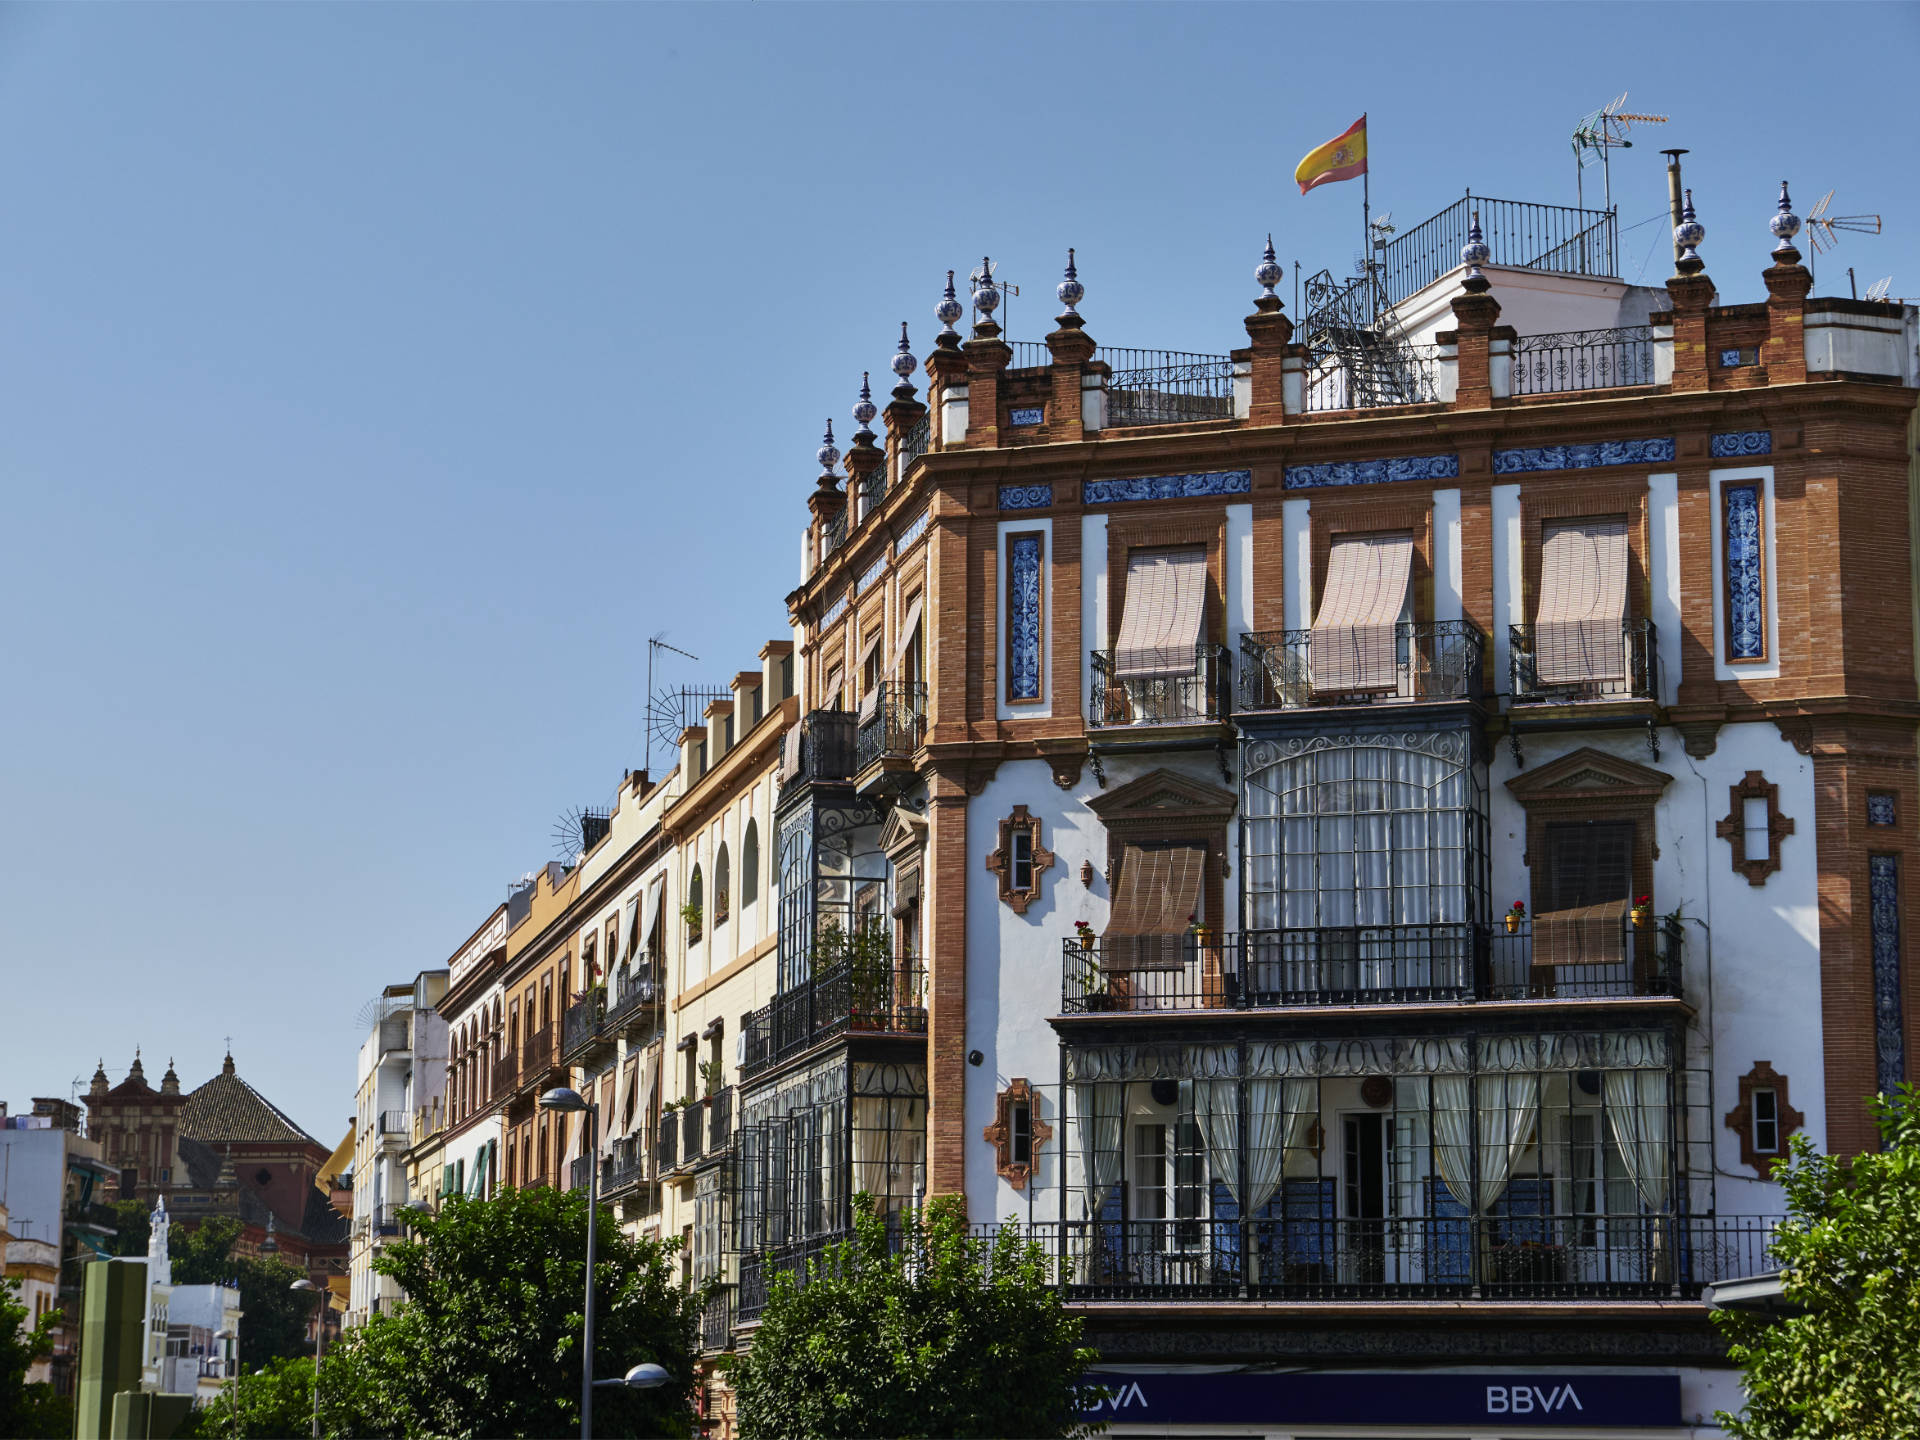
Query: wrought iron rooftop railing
pixel 1433 661
pixel 913 445
pixel 896 725
pixel 1583 360
pixel 874 999
pixel 833 533
pixel 1561 239
pixel 1608 958
pixel 1365 369
pixel 1593 662
pixel 1181 687
pixel 1030 354
pixel 1167 387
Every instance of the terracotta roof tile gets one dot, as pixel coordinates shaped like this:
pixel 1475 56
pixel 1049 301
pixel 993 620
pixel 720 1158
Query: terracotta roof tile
pixel 227 1110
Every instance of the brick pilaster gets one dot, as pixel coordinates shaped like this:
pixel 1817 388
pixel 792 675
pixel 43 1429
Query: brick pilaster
pixel 987 356
pixel 1071 348
pixel 1692 297
pixel 1475 315
pixel 1269 333
pixel 947 986
pixel 1785 352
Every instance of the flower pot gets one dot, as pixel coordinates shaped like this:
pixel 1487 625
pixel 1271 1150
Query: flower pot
pixel 1086 942
pixel 1639 915
pixel 1513 923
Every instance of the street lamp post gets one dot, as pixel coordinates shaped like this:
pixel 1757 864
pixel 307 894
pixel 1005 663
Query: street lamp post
pixel 566 1101
pixel 319 1335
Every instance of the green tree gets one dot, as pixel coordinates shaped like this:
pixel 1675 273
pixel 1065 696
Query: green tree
pixel 488 1341
pixel 1847 1363
pixel 934 1332
pixel 276 1400
pixel 24 1409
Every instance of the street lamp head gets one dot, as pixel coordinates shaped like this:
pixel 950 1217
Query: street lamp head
pixel 647 1377
pixel 562 1098
pixel 303 1284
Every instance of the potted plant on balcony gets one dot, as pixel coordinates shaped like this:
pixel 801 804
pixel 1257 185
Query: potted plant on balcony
pixel 710 1077
pixel 1516 917
pixel 869 955
pixel 1093 983
pixel 690 917
pixel 1083 932
pixel 1642 911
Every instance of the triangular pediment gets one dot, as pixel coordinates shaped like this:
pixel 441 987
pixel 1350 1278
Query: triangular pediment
pixel 1163 792
pixel 1588 771
pixel 903 829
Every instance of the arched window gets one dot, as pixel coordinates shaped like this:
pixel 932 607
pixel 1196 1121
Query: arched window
pixel 722 898
pixel 691 912
pixel 750 864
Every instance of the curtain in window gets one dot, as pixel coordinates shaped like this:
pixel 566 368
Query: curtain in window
pixel 1354 646
pixel 1636 1103
pixel 887 1146
pixel 1508 1112
pixel 1583 602
pixel 1100 1108
pixel 650 911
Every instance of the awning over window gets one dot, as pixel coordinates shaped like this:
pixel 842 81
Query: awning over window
pixel 1354 645
pixel 650 912
pixel 909 627
pixel 868 648
pixel 1578 632
pixel 632 929
pixel 1590 935
pixel 1155 900
pixel 790 754
pixel 1163 613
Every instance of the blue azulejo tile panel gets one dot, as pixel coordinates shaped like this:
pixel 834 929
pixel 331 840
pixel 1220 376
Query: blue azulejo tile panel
pixel 1026 415
pixel 1168 487
pixel 1880 808
pixel 1890 1049
pixel 1746 573
pixel 1025 497
pixel 1740 442
pixel 1023 617
pixel 1582 457
pixel 1373 472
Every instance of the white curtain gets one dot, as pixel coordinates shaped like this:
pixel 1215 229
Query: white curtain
pixel 888 1149
pixel 1216 1109
pixel 1637 1115
pixel 1101 1107
pixel 1509 1110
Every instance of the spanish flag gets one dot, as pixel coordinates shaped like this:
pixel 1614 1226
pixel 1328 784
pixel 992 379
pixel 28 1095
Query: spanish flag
pixel 1342 158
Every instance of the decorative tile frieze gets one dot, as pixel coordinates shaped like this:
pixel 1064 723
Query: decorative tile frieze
pixel 1168 487
pixel 1746 573
pixel 912 533
pixel 1025 497
pixel 1582 457
pixel 834 611
pixel 1026 415
pixel 1740 442
pixel 872 573
pixel 1373 472
pixel 1890 1046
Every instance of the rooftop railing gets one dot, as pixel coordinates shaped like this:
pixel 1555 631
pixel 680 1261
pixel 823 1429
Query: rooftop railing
pixel 1432 661
pixel 1583 360
pixel 880 998
pixel 1556 238
pixel 1569 662
pixel 1030 354
pixel 1167 387
pixel 913 445
pixel 1172 687
pixel 1300 966
pixel 1369 372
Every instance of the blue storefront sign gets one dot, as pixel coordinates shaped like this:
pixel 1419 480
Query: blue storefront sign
pixel 1507 1400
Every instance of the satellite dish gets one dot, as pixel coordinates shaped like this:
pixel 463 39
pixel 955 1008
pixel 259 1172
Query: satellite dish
pixel 1878 290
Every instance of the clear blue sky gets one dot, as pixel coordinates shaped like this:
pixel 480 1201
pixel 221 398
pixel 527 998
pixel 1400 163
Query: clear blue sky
pixel 373 381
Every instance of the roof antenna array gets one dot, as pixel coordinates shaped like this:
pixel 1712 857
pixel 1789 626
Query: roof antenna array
pixel 1824 229
pixel 1596 137
pixel 1878 290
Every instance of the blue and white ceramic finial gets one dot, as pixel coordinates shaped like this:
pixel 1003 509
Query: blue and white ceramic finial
pixel 986 294
pixel 1070 290
pixel 1269 272
pixel 1476 252
pixel 949 309
pixel 1785 224
pixel 903 362
pixel 828 454
pixel 864 409
pixel 1687 235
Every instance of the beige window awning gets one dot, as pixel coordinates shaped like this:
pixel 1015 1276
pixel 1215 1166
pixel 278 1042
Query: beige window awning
pixel 1163 616
pixel 909 627
pixel 1157 896
pixel 650 911
pixel 1355 646
pixel 1578 632
pixel 1590 935
pixel 790 754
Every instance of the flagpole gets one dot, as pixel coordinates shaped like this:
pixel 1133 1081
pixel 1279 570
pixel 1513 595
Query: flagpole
pixel 1366 220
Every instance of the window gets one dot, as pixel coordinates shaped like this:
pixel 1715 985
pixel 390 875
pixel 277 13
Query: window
pixel 1020 1133
pixel 1589 862
pixel 1766 1122
pixel 1017 1133
pixel 1020 860
pixel 830 697
pixel 1357 644
pixel 750 864
pixel 691 911
pixel 1022 842
pixel 722 885
pixel 589 956
pixel 1579 626
pixel 1754 827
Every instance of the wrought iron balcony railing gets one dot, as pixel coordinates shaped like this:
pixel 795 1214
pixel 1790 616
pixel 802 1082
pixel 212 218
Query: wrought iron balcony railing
pixel 1583 360
pixel 1445 1255
pixel 1439 660
pixel 578 1171
pixel 505 1074
pixel 1167 387
pixel 1370 965
pixel 636 995
pixel 626 1165
pixel 1178 687
pixel 716 1320
pixel 833 533
pixel 897 724
pixel 536 1055
pixel 799 1258
pixel 396 1124
pixel 580 1028
pixel 828 752
pixel 667 1147
pixel 1571 661
pixel 882 998
pixel 1556 238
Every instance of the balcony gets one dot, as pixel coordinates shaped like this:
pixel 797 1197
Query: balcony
pixel 667 1146
pixel 827 751
pixel 583 1029
pixel 1183 688
pixel 1427 1257
pixel 1369 965
pixel 625 1167
pixel 1587 661
pixel 1362 368
pixel 636 1000
pixel 536 1055
pixel 1167 387
pixel 850 997
pixel 800 1259
pixel 505 1075
pixel 386 1221
pixel 716 1320
pixel 1577 360
pixel 895 728
pixel 395 1128
pixel 396 1033
pixel 1433 662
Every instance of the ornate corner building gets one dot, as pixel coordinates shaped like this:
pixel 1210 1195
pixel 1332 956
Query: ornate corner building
pixel 1319 835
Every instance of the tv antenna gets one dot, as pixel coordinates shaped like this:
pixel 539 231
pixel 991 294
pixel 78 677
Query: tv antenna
pixel 1878 289
pixel 1824 229
pixel 670 711
pixel 1598 135
pixel 979 276
pixel 577 831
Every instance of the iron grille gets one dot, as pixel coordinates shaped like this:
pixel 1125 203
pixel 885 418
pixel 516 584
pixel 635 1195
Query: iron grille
pixel 1583 360
pixel 1167 387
